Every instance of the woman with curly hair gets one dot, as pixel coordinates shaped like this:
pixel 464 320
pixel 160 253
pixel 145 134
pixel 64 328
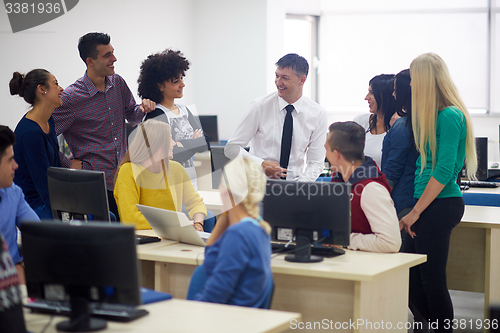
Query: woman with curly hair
pixel 162 80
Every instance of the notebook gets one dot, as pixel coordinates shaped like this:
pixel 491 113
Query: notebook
pixel 173 225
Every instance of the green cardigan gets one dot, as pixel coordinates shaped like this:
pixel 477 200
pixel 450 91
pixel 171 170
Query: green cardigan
pixel 451 133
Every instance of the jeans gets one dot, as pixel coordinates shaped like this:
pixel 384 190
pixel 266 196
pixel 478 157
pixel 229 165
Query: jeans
pixel 428 289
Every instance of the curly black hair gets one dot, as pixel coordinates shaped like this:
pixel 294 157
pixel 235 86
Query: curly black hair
pixel 158 68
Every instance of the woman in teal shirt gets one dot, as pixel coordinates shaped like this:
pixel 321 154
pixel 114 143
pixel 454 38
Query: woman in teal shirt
pixel 443 135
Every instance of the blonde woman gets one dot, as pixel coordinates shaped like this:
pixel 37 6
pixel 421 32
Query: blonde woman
pixel 238 253
pixel 442 129
pixel 145 176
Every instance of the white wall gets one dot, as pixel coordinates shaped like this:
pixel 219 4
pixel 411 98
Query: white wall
pixel 225 40
pixel 230 58
pixel 136 29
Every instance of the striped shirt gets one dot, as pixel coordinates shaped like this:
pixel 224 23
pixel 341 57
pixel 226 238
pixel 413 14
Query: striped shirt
pixel 93 123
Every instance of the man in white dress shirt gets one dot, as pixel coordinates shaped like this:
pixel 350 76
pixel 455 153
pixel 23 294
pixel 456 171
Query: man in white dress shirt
pixel 263 124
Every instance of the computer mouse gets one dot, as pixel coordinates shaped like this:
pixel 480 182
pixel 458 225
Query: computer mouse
pixel 494 165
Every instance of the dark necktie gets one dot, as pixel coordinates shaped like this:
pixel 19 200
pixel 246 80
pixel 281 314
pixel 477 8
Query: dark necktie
pixel 286 138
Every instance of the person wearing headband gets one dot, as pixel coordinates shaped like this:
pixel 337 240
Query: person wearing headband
pixel 238 253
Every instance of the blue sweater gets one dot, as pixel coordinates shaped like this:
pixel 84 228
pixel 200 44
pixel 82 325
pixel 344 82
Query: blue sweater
pixel 35 152
pixel 399 158
pixel 238 266
pixel 13 210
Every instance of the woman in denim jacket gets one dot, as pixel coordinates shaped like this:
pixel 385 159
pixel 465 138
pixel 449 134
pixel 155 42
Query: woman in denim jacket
pixel 399 154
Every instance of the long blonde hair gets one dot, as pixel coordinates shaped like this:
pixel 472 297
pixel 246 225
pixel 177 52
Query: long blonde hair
pixel 246 188
pixel 147 139
pixel 433 90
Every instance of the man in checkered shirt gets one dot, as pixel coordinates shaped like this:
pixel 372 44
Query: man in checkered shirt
pixel 92 117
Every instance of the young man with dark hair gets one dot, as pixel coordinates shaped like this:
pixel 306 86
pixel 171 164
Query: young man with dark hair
pixel 92 117
pixel 285 127
pixel 13 207
pixel 374 223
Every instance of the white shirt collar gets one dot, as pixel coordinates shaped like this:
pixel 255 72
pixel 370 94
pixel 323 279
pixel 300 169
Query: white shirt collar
pixel 297 105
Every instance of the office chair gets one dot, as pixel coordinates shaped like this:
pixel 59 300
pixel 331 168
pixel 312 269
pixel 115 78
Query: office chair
pixel 197 282
pixel 482 199
pixel 208 223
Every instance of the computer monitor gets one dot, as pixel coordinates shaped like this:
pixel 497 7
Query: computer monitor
pixel 210 127
pixel 85 262
pixel 78 194
pixel 307 213
pixel 218 160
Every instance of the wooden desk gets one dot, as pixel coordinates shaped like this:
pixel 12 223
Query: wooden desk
pixel 474 257
pixel 358 285
pixel 181 316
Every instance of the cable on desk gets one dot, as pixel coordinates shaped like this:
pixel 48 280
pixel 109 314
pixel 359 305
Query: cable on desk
pixel 48 324
pixel 197 263
pixel 277 253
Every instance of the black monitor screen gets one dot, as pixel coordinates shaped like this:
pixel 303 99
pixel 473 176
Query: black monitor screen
pixel 319 211
pixel 482 158
pixel 78 194
pixel 210 127
pixel 81 262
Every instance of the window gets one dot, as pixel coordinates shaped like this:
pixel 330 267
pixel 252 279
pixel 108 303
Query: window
pixel 301 37
pixel 386 35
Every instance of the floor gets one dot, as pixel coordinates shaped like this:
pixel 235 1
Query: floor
pixel 469 314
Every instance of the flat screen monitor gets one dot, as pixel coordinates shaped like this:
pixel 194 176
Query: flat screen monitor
pixel 82 263
pixel 78 194
pixel 218 160
pixel 210 127
pixel 308 213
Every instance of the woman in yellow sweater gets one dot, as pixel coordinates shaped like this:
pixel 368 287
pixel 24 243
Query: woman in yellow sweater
pixel 140 178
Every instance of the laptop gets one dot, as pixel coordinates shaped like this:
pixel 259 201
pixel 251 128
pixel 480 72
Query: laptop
pixel 173 225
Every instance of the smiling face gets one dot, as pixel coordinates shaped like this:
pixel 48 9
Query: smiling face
pixel 171 151
pixel 53 93
pixel 8 167
pixel 289 85
pixel 372 103
pixel 172 89
pixel 104 64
